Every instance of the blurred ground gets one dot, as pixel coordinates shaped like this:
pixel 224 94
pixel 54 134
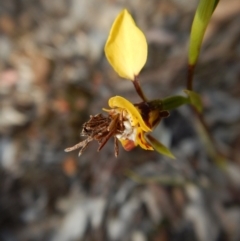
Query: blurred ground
pixel 53 75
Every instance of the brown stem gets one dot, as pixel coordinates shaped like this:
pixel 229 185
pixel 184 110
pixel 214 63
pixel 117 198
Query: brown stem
pixel 139 89
pixel 190 74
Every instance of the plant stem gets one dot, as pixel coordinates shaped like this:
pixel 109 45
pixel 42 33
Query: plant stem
pixel 216 154
pixel 138 88
pixel 190 74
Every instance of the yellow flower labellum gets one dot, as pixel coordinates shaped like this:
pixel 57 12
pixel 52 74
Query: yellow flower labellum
pixel 136 118
pixel 142 142
pixel 135 127
pixel 126 46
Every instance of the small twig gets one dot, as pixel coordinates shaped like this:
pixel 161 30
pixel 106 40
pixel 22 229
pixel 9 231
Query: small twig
pixel 80 144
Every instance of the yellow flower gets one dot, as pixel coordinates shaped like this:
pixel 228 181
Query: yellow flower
pixel 137 122
pixel 126 47
pixel 126 51
pixel 128 123
pixel 134 127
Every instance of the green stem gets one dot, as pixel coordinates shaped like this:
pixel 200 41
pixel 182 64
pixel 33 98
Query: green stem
pixel 217 156
pixel 203 128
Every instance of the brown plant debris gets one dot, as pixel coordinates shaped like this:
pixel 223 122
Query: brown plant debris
pixel 101 129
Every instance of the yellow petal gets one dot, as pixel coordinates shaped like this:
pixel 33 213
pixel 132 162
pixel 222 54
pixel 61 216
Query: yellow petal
pixel 140 139
pixel 120 102
pixel 126 47
pixel 128 145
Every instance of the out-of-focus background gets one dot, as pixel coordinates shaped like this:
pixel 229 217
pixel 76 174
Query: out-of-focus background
pixel 53 75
